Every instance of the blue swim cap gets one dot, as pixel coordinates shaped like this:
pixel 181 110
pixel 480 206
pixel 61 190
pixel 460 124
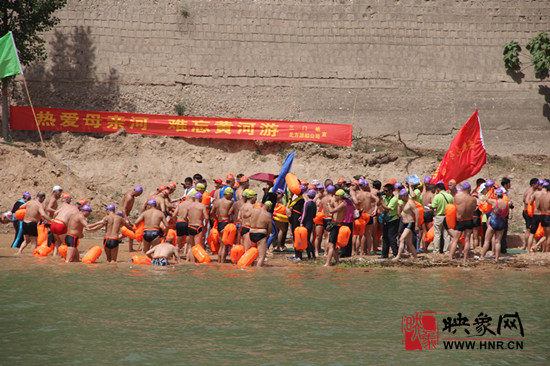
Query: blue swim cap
pixel 139 189
pixel 331 189
pixel 311 193
pixel 111 207
pixel 86 208
pixel 152 202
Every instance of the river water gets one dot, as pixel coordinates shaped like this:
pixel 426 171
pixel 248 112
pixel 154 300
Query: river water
pixel 76 314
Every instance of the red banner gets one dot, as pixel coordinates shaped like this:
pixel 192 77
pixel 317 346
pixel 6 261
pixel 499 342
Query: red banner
pixel 51 119
pixel 466 155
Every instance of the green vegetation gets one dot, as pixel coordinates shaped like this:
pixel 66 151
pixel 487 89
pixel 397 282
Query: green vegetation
pixel 180 109
pixel 539 49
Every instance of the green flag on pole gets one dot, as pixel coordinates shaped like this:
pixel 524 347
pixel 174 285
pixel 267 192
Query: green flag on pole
pixel 9 61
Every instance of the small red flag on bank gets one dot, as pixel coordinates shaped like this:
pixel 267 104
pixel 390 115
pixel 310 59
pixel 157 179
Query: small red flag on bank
pixel 466 155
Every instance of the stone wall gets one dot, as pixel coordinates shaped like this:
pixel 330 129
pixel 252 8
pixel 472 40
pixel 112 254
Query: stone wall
pixel 418 67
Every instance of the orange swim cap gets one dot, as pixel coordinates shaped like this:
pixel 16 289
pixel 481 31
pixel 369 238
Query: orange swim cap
pixel 230 177
pixel 392 181
pixel 304 183
pixel 66 196
pixel 243 179
pixel 341 180
pixel 172 185
pixel 311 186
pixel 162 188
pixel 82 201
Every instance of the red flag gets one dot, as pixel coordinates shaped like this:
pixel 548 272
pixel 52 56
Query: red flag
pixel 466 155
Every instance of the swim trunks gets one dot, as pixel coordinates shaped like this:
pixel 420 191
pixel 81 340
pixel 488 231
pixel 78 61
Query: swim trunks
pixel 476 219
pixel 222 225
pixel 462 225
pixel 256 237
pixel 58 227
pixel 160 261
pixel 151 234
pixel 245 230
pixel 71 241
pixel 326 222
pixel 30 228
pixel 111 243
pixel 528 219
pixel 194 229
pixel 403 226
pixel 537 219
pixel 371 220
pixel 182 228
pixel 545 222
pixel 333 236
pixel 428 216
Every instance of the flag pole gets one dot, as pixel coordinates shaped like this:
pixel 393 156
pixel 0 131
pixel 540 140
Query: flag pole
pixel 35 119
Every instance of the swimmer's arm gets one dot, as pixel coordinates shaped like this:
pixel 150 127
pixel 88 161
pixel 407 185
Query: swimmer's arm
pixel 176 255
pixel 164 221
pixel 411 192
pixel 139 219
pixel 491 201
pixel 205 213
pixel 150 252
pixel 43 213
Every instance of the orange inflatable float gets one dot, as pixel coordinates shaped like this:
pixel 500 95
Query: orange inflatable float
pixel 293 183
pixel 530 209
pixel 141 259
pixel 20 214
pixel 213 240
pixel 343 236
pixel 139 231
pixel 485 207
pixel 200 254
pixel 236 253
pixel 249 257
pixel 300 238
pixel 420 209
pixel 63 250
pixel 429 237
pixel 42 250
pixel 365 216
pixel 128 233
pixel 540 232
pixel 318 220
pixel 359 226
pixel 229 234
pixel 450 215
pixel 279 214
pixel 92 255
pixel 42 235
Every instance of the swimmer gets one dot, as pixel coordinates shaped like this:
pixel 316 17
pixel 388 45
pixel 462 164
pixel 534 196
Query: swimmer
pixel 194 214
pixel 50 206
pixel 537 217
pixel 126 207
pixel 543 205
pixel 408 223
pixel 367 203
pixel 495 224
pixel 223 212
pixel 243 184
pixel 76 224
pixel 249 198
pixel 182 226
pixel 260 228
pixel 465 207
pixel 60 219
pixel 526 198
pixel 113 223
pixel 338 211
pixel 162 253
pixel 152 218
pixel 18 225
pixel 34 210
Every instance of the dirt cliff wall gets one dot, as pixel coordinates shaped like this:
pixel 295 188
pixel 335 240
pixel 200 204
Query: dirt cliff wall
pixel 419 67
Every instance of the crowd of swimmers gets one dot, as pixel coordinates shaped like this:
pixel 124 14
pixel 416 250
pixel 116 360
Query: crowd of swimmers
pixel 393 215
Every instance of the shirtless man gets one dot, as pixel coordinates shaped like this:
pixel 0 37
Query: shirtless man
pixel 327 217
pixel 528 219
pixel 113 223
pixel 249 197
pixel 152 195
pixel 427 198
pixel 161 253
pixel 61 218
pixel 320 198
pixel 223 212
pixel 182 226
pixel 127 205
pixel 243 185
pixel 465 207
pixel 50 206
pixel 543 205
pixel 76 224
pixel 338 211
pixel 194 214
pixel 34 210
pixel 452 187
pixel 367 202
pixel 408 224
pixel 260 228
pixel 152 218
pixel 537 217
